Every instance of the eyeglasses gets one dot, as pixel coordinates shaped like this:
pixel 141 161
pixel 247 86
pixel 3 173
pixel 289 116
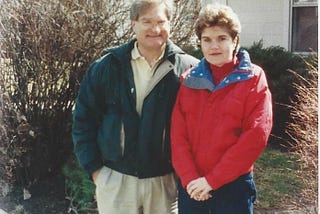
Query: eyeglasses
pixel 152 24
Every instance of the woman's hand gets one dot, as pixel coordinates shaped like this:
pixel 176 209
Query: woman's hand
pixel 199 189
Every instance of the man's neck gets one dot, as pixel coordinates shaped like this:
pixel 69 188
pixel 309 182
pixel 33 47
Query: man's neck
pixel 151 55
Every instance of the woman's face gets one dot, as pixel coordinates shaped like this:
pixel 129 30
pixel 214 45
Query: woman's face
pixel 217 45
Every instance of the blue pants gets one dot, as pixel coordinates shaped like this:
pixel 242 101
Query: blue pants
pixel 236 197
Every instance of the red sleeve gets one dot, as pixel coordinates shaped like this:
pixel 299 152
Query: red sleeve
pixel 257 124
pixel 182 158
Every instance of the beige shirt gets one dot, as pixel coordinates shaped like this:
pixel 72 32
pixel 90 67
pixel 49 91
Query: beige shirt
pixel 142 73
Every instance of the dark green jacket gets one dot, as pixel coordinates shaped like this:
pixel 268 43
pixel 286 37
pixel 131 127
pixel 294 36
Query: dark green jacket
pixel 107 129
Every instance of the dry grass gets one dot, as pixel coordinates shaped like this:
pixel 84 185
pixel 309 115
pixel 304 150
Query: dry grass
pixel 304 131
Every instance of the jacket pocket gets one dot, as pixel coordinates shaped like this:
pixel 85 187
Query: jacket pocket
pixel 109 137
pixel 233 106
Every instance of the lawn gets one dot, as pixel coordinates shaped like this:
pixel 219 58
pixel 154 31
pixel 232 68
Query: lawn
pixel 276 176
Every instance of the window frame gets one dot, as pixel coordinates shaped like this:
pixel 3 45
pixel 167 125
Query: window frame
pixel 293 5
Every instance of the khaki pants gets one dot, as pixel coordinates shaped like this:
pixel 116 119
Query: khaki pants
pixel 118 193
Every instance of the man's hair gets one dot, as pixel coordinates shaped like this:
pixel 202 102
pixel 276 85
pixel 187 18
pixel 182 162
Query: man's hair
pixel 218 15
pixel 139 7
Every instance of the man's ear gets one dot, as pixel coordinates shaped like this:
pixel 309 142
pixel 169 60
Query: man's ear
pixel 133 23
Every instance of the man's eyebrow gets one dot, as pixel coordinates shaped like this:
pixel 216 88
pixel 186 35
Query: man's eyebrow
pixel 205 37
pixel 145 18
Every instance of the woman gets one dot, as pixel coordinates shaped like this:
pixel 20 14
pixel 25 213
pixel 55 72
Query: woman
pixel 221 121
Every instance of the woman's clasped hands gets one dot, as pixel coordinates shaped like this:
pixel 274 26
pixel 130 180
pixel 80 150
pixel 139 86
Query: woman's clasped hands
pixel 199 189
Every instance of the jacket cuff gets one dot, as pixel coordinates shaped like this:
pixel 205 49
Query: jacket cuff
pixel 92 167
pixel 187 179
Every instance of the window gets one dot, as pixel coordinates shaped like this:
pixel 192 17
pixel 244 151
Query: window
pixel 304 36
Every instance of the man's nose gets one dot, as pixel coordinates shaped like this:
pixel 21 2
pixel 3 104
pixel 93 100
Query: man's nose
pixel 156 28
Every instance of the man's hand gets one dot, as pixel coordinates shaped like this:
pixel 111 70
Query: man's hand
pixel 199 189
pixel 95 175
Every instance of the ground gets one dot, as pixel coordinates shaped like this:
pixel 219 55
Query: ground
pixel 48 197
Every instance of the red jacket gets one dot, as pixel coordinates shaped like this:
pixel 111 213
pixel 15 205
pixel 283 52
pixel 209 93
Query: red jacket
pixel 219 131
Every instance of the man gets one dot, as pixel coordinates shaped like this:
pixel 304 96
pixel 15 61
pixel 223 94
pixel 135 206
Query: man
pixel 121 127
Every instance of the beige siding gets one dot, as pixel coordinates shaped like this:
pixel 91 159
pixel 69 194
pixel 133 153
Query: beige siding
pixel 261 19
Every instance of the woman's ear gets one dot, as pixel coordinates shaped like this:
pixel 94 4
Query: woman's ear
pixel 236 45
pixel 236 42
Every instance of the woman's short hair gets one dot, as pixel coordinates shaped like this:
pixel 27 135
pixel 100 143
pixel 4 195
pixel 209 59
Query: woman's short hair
pixel 139 7
pixel 218 15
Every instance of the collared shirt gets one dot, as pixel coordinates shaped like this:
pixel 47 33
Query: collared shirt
pixel 142 73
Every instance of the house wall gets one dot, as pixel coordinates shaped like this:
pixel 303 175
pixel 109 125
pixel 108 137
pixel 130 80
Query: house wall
pixel 260 19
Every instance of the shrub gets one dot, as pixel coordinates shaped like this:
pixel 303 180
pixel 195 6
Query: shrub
pixel 8 119
pixel 79 189
pixel 46 47
pixel 303 129
pixel 275 60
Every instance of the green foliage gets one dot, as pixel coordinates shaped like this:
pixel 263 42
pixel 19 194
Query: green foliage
pixel 79 189
pixel 196 52
pixel 275 60
pixel 19 209
pixel 276 179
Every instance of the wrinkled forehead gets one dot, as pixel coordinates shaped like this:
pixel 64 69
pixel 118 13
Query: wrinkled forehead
pixel 157 14
pixel 149 9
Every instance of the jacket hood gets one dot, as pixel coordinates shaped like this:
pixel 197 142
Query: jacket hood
pixel 200 77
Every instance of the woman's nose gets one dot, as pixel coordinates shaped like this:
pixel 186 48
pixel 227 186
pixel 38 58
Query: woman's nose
pixel 214 45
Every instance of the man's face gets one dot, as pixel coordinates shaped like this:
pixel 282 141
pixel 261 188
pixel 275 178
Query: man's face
pixel 152 28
